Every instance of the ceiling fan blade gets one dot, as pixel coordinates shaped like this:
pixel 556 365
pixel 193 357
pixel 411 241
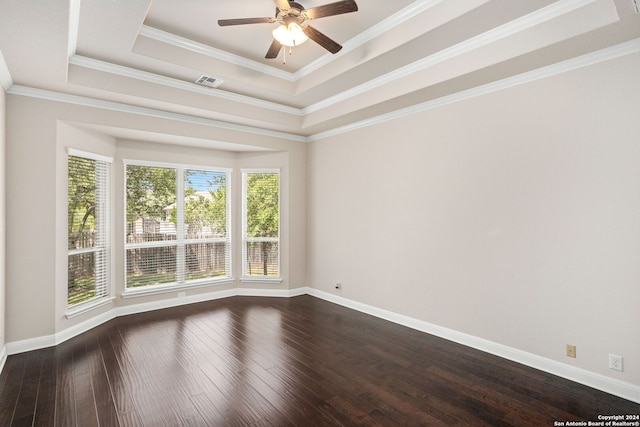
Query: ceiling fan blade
pixel 242 21
pixel 321 39
pixel 331 9
pixel 282 4
pixel 274 49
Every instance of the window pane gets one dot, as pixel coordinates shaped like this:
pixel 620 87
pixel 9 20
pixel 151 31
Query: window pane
pixel 81 206
pixel 205 260
pixel 88 229
pixel 205 204
pixel 151 204
pixel 262 215
pixel 81 281
pixel 151 266
pixel 177 218
pixel 261 259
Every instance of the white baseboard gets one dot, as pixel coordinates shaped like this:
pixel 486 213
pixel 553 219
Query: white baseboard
pixel 3 357
pixel 609 385
pixel 37 343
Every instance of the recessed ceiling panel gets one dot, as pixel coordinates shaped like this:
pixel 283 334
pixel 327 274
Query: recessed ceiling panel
pixel 197 20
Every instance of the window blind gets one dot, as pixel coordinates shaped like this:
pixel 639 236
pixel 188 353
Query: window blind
pixel 261 223
pixel 88 228
pixel 178 225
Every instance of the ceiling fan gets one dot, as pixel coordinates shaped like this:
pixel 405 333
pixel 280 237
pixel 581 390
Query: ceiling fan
pixel 294 29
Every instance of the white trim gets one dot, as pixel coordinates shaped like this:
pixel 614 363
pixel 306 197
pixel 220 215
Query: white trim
pixel 144 111
pixel 173 302
pixel 610 385
pixel 260 279
pixel 524 23
pixel 613 52
pixel 244 239
pixel 371 33
pixel 203 49
pixel 141 291
pixel 600 382
pixel 74 25
pixel 81 327
pixel 3 357
pixel 260 170
pixel 45 341
pixel 277 293
pixel 35 343
pixel 607 54
pixel 5 76
pixel 89 155
pixel 207 168
pixel 82 308
pixel 146 76
pixel 180 241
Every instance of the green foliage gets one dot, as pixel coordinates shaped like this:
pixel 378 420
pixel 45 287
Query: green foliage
pixel 81 202
pixel 263 215
pixel 262 204
pixel 149 190
pixel 208 208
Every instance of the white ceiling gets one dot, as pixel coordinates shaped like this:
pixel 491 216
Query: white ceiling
pixel 397 55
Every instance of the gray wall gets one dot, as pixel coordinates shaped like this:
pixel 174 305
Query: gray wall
pixel 513 216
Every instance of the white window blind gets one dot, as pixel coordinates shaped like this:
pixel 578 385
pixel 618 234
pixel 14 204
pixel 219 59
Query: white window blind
pixel 261 224
pixel 178 225
pixel 88 228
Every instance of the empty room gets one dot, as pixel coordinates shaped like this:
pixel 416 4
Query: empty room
pixel 332 213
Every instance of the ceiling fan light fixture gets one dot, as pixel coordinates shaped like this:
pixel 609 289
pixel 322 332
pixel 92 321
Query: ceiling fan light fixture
pixel 290 35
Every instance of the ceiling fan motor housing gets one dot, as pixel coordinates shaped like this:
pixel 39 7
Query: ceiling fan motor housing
pixel 295 14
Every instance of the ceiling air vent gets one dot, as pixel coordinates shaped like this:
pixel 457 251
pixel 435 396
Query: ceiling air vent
pixel 208 81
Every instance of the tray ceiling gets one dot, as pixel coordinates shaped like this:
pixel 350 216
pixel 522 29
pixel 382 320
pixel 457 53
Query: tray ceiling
pixel 396 56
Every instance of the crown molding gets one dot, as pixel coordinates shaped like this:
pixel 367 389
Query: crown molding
pixel 5 77
pixel 371 33
pixel 203 49
pixel 509 29
pixel 149 112
pixel 607 54
pixel 133 73
pixel 74 26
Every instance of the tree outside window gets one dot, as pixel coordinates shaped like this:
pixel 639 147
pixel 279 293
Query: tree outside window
pixel 261 225
pixel 177 225
pixel 87 229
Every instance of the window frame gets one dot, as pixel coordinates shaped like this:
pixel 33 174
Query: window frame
pixel 180 242
pixel 102 251
pixel 254 278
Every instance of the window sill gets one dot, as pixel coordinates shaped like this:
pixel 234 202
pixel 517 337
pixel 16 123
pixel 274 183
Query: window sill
pixel 83 308
pixel 173 287
pixel 251 279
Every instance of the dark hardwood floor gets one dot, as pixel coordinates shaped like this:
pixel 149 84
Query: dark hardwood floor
pixel 248 361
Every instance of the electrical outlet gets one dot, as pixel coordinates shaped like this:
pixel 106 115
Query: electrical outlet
pixel 571 350
pixel 615 362
pixel 338 287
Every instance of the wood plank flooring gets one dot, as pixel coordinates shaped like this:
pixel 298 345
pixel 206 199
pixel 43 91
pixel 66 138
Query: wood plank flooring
pixel 249 361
